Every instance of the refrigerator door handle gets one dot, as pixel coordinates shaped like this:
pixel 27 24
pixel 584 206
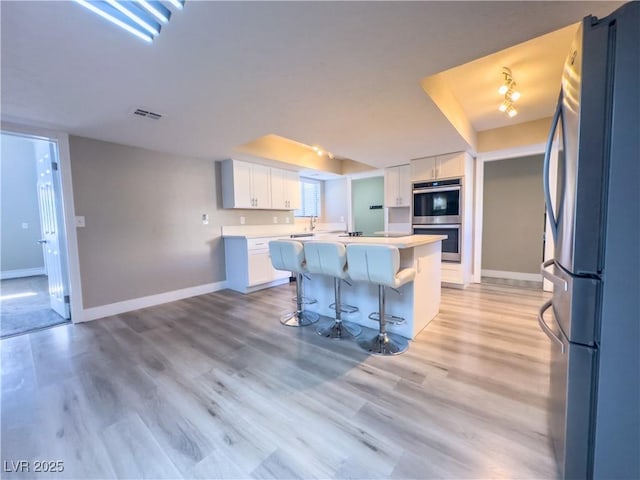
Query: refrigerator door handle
pixel 557 281
pixel 553 220
pixel 546 329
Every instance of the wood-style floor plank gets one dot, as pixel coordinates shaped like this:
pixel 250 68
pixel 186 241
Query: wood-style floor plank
pixel 214 387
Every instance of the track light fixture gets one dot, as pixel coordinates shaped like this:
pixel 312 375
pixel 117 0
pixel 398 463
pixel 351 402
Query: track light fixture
pixel 511 95
pixel 320 152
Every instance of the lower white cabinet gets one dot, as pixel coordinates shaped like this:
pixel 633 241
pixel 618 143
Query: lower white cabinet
pixel 248 265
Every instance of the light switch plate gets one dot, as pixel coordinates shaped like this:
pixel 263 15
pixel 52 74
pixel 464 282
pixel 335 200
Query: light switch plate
pixel 275 219
pixel 242 219
pixel 25 225
pixel 80 223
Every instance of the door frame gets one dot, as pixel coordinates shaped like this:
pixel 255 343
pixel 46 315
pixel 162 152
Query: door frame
pixel 481 159
pixel 68 210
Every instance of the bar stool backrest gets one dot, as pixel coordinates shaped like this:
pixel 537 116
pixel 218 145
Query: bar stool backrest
pixel 326 258
pixel 377 264
pixel 287 255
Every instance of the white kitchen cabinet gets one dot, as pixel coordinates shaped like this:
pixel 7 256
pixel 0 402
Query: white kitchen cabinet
pixel 245 185
pixel 423 168
pixel 450 165
pixel 438 167
pixel 285 189
pixel 397 186
pixel 248 265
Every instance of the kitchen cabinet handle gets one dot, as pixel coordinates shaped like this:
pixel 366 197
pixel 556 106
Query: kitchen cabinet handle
pixel 556 280
pixel 546 329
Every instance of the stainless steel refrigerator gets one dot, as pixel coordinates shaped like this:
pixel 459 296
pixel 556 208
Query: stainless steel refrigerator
pixel 593 318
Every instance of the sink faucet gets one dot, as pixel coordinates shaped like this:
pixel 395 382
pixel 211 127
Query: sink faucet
pixel 312 223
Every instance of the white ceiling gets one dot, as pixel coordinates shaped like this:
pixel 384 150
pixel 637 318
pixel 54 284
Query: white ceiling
pixel 343 75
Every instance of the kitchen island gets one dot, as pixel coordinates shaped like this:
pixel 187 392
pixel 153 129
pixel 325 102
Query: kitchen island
pixel 418 302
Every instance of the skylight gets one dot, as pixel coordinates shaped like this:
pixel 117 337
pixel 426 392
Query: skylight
pixel 142 18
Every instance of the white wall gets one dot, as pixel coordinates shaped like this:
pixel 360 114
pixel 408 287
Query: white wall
pixel 336 201
pixel 19 205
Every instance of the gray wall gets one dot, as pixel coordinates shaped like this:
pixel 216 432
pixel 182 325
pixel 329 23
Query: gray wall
pixel 513 215
pixel 144 233
pixel 19 204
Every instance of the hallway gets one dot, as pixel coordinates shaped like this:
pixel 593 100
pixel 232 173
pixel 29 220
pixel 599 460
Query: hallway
pixel 24 306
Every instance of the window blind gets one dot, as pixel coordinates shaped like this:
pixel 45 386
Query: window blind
pixel 310 199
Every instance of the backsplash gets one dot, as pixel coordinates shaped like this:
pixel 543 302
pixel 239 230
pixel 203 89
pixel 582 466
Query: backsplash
pixel 278 229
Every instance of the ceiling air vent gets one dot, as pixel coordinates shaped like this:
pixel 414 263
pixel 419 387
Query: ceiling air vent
pixel 141 112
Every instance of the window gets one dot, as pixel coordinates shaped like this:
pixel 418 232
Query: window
pixel 310 199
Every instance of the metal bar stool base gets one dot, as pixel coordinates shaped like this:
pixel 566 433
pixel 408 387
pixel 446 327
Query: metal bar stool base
pixel 344 308
pixel 340 331
pixel 299 319
pixel 388 318
pixel 305 300
pixel 384 344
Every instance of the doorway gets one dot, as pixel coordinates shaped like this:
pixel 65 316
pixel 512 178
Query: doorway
pixel 34 285
pixel 513 222
pixel 367 199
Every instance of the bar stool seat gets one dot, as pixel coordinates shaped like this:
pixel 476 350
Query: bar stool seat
pixel 380 264
pixel 330 258
pixel 288 255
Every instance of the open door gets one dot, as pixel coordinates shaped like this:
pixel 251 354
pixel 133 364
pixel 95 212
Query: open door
pixel 50 215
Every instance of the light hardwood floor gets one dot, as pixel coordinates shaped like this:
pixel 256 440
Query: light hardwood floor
pixel 215 387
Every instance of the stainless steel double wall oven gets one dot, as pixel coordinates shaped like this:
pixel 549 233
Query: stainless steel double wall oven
pixel 437 210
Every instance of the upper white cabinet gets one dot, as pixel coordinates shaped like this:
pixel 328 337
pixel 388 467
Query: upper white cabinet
pixel 245 185
pixel 285 189
pixel 441 166
pixel 450 165
pixel 249 185
pixel 397 186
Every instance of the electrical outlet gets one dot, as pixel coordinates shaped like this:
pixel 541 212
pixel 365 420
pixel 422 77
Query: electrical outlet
pixel 242 219
pixel 25 225
pixel 342 219
pixel 275 219
pixel 80 223
pixel 286 220
pixel 205 219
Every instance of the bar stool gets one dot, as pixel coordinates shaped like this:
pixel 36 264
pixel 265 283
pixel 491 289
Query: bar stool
pixel 380 264
pixel 288 255
pixel 330 258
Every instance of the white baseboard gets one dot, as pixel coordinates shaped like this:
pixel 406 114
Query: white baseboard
pixel 23 272
pixel 531 277
pixel 150 301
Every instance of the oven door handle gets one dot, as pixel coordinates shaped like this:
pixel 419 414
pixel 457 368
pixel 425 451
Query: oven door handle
pixel 433 227
pixel 455 188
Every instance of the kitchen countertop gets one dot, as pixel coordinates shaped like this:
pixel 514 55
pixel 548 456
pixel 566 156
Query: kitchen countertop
pixel 407 241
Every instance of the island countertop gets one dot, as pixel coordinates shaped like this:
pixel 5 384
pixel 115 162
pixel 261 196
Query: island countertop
pixel 406 241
